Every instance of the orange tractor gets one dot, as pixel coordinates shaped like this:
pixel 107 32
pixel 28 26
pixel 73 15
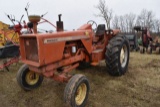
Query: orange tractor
pixel 54 55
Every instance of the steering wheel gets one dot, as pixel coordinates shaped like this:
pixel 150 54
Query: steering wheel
pixel 93 24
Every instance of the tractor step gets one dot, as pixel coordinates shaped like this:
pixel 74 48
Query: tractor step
pixel 97 55
pixel 94 63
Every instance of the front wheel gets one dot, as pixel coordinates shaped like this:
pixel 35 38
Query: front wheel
pixel 117 55
pixel 76 91
pixel 27 79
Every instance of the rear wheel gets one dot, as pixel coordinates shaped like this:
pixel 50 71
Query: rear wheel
pixel 27 79
pixel 117 55
pixel 76 91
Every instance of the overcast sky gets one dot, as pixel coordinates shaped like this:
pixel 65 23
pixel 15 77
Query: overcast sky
pixel 74 12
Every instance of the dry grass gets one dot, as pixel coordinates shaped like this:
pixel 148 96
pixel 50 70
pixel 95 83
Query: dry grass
pixel 139 87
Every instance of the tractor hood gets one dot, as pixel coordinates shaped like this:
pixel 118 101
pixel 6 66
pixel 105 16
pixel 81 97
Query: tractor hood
pixel 43 49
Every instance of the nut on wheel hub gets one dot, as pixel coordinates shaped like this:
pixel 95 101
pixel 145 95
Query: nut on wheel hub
pixel 32 78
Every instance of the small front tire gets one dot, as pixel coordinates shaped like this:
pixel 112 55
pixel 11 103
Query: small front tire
pixel 76 91
pixel 27 79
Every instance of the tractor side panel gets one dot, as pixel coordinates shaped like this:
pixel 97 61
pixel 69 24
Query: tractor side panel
pixel 52 52
pixel 87 44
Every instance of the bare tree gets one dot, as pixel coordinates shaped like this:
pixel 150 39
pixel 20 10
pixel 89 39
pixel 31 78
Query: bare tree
pixel 125 22
pixel 131 20
pixel 104 12
pixel 138 21
pixel 122 23
pixel 145 19
pixel 156 26
pixel 115 22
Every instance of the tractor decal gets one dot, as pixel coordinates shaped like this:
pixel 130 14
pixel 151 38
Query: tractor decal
pixel 53 40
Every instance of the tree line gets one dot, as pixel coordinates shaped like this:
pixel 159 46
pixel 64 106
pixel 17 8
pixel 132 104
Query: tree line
pixel 126 22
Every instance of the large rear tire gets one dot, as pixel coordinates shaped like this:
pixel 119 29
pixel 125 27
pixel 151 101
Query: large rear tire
pixel 27 79
pixel 117 55
pixel 76 91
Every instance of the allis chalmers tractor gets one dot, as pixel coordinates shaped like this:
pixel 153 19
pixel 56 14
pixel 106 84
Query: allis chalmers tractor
pixel 148 43
pixel 54 55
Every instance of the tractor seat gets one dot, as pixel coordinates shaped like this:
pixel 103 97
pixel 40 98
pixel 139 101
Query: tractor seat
pixel 100 30
pixel 99 33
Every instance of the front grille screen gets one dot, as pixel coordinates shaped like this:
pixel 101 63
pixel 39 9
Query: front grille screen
pixel 31 49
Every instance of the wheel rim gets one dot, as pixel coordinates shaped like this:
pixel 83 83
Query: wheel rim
pixel 32 78
pixel 123 56
pixel 81 94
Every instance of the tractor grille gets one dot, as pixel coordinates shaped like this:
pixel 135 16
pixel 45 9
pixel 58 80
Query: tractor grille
pixel 31 49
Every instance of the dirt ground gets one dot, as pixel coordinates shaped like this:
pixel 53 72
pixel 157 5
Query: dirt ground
pixel 139 87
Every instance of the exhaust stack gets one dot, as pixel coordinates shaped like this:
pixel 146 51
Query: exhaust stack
pixel 59 24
